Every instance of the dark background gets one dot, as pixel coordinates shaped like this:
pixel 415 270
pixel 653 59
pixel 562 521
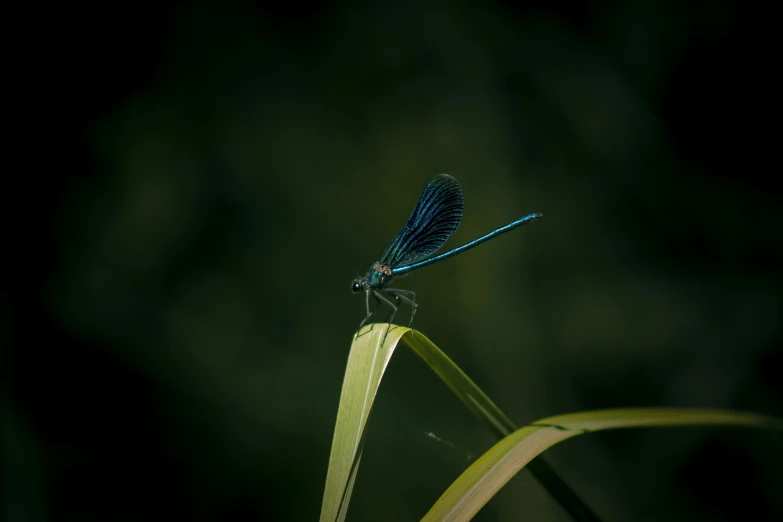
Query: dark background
pixel 206 179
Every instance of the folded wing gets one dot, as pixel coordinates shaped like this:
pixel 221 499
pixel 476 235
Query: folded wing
pixel 432 223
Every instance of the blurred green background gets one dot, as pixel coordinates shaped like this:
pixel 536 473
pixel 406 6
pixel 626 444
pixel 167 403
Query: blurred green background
pixel 179 312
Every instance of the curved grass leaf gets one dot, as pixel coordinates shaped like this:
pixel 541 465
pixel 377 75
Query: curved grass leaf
pixel 468 494
pixel 496 421
pixel 370 353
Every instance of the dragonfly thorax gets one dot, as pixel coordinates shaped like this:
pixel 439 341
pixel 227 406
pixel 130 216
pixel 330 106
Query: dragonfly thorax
pixel 378 277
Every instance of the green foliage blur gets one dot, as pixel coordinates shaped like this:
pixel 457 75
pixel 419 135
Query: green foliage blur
pixel 180 312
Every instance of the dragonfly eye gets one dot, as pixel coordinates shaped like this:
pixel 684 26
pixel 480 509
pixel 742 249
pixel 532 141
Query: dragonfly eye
pixel 356 286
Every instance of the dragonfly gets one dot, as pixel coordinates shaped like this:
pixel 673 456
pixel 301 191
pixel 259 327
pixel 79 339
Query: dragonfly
pixel 434 220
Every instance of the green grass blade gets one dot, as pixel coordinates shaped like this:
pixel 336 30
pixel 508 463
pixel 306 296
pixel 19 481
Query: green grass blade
pixel 468 494
pixel 367 361
pixel 465 389
pixel 370 353
pixel 498 422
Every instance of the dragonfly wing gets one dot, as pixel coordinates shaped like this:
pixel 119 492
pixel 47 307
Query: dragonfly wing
pixel 432 223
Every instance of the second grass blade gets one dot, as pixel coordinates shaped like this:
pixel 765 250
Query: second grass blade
pixel 484 478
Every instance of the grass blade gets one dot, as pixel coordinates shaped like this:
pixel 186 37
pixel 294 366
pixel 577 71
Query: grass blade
pixel 370 353
pixel 496 421
pixel 468 494
pixel 465 389
pixel 367 361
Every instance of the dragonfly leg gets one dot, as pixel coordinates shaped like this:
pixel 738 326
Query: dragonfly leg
pixel 382 298
pixel 408 296
pixel 369 313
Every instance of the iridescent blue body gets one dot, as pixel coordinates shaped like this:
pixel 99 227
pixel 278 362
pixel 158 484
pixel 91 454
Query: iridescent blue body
pixel 435 218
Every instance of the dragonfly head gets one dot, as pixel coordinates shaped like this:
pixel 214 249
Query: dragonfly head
pixel 358 284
